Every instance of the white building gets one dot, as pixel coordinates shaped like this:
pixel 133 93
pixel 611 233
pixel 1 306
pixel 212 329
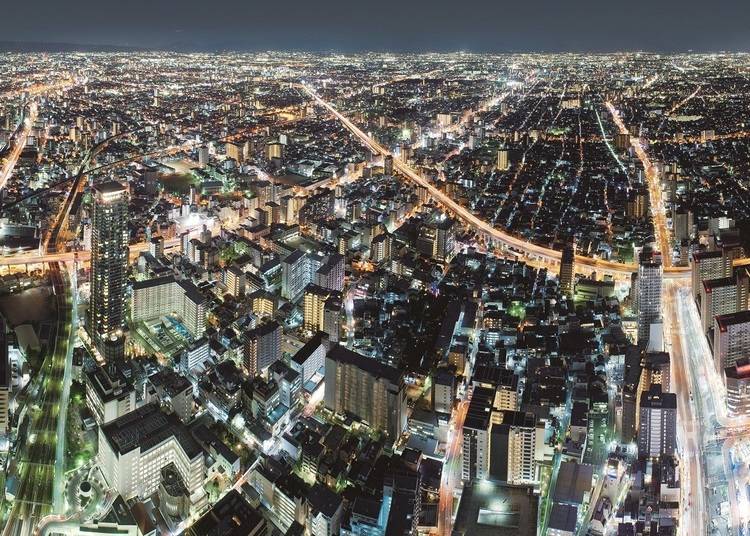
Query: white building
pixel 648 294
pixel 295 275
pixel 134 448
pixel 512 448
pixel 195 355
pixel 161 296
pixel 731 339
pixel 311 357
pixel 326 511
pixel 109 394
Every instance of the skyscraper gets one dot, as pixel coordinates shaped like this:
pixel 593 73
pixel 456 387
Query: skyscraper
pixel 648 293
pixel 657 434
pixel 388 165
pixel 512 443
pixel 262 347
pixel 502 159
pixel 567 264
pixel 731 339
pixel 5 382
pixel 362 386
pixel 313 305
pixel 718 297
pixel 109 259
pixel 475 444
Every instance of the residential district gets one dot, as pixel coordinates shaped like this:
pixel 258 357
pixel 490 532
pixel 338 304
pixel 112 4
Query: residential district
pixel 374 295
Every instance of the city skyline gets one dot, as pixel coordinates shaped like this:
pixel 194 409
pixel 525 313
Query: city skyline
pixel 370 293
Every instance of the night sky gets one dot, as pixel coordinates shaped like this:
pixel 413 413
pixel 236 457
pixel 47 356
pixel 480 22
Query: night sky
pixel 405 25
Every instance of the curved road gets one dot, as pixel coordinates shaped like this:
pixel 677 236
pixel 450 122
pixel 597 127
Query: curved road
pixel 529 250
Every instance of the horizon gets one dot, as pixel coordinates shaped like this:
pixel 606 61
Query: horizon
pixel 39 46
pixel 335 25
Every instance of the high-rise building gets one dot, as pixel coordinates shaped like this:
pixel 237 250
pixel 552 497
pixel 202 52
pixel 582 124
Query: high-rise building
pixel 195 355
pixel 364 387
pixel 313 305
pixel 475 454
pixel 502 159
pixel 109 260
pixel 311 358
pixel 567 265
pixel 203 156
pixel 742 274
pixel 109 394
pixel 380 248
pixel 655 368
pixel 438 239
pixel 274 151
pixel 622 141
pixel 683 225
pixel 234 279
pixel 649 296
pixel 443 391
pixel 264 303
pixel 705 265
pixel 718 297
pixel 332 317
pixel 156 246
pixel 388 165
pixel 630 395
pixel 262 347
pixel 737 381
pixel 160 296
pixel 320 206
pixel 295 274
pixel 657 432
pixel 330 275
pixel 731 339
pixel 234 152
pixel 5 382
pixel 174 391
pixel 445 241
pixel 322 310
pixel 512 447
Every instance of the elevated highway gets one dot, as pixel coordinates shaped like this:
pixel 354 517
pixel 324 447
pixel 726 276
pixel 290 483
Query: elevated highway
pixel 535 254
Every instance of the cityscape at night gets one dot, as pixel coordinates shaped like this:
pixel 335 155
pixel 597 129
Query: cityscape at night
pixel 372 290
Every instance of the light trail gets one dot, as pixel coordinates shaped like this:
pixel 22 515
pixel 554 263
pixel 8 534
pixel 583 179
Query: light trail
pixel 18 147
pixel 658 210
pixel 451 471
pixel 689 423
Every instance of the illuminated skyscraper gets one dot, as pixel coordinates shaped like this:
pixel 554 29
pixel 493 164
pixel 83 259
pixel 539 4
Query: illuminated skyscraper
pixel 657 434
pixel 5 382
pixel 109 259
pixel 502 159
pixel 648 293
pixel 262 347
pixel 567 263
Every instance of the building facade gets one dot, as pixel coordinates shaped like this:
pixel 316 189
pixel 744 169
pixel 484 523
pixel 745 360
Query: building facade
pixel 109 260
